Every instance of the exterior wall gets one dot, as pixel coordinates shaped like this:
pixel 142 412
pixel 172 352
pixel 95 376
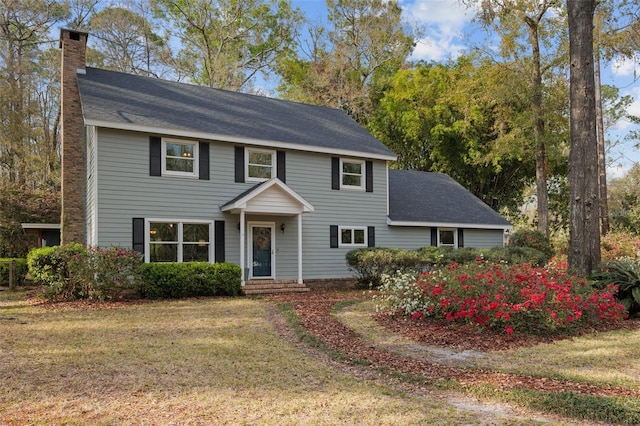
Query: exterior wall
pixel 483 238
pixel 92 180
pixel 125 191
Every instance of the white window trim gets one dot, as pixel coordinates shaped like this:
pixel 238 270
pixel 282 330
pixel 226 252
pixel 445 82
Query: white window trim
pixel 180 242
pixel 196 162
pixel 248 150
pixel 362 174
pixel 353 228
pixel 455 237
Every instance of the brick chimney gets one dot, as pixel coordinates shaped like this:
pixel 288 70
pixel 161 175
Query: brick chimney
pixel 74 170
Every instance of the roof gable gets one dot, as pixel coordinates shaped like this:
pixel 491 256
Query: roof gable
pixel 269 197
pixel 119 100
pixel 436 199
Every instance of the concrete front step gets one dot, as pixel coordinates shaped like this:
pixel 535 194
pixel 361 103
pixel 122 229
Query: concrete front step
pixel 272 287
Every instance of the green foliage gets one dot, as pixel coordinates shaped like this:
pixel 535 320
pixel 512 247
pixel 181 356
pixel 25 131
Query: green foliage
pixel 19 205
pixel 513 298
pixel 74 272
pixel 19 273
pixel 624 273
pixel 532 238
pixel 177 280
pixel 369 264
pixel 615 245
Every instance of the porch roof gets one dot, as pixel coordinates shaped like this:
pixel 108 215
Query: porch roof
pixel 271 197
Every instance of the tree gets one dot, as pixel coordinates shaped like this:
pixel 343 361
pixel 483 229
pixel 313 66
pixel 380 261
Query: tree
pixel 528 29
pixel 365 42
pixel 449 119
pixel 584 235
pixel 227 43
pixel 624 201
pixel 123 40
pixel 25 150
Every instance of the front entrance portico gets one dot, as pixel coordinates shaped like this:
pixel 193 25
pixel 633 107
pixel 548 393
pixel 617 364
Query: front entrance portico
pixel 258 249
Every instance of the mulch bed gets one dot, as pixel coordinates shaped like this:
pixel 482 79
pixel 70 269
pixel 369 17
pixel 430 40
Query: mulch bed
pixel 314 309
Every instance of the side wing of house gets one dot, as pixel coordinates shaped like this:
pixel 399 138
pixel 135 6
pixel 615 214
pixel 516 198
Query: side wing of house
pixel 433 209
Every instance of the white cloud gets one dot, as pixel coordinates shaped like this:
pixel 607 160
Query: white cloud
pixel 443 22
pixel 624 67
pixel 617 171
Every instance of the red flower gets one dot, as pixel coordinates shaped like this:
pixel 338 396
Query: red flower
pixel 508 329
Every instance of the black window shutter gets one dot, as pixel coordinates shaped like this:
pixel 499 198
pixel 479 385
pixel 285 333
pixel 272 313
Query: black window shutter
pixel 203 158
pixel 460 237
pixel 239 162
pixel 281 160
pixel 335 173
pixel 333 233
pixel 155 156
pixel 219 241
pixel 369 175
pixel 371 236
pixel 138 234
pixel 434 237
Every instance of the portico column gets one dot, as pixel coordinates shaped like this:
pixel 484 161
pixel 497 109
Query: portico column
pixel 242 241
pixel 300 248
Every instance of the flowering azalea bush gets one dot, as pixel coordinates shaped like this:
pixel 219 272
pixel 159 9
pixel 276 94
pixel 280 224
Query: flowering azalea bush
pixel 616 245
pixel 513 298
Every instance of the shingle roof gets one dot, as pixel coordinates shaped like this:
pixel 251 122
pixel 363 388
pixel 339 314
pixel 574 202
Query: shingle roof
pixel 436 198
pixel 117 99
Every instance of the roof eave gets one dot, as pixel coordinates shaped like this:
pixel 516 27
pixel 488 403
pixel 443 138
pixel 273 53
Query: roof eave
pixel 239 140
pixel 392 222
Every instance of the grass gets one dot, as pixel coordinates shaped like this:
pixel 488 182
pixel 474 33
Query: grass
pixel 205 361
pixel 600 358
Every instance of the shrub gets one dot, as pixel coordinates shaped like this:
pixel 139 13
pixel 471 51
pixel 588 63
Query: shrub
pixel 625 273
pixel 615 245
pixel 19 272
pixel 503 297
pixel 532 239
pixel 74 272
pixel 177 280
pixel 370 264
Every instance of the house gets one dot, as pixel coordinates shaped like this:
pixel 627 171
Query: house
pixel 187 173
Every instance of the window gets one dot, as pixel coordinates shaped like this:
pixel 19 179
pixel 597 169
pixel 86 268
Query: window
pixel 179 158
pixel 352 174
pixel 177 241
pixel 260 165
pixel 447 237
pixel 355 236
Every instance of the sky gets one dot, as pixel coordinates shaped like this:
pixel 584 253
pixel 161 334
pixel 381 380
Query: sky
pixel 449 33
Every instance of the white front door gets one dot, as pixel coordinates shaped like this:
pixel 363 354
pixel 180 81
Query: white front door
pixel 262 251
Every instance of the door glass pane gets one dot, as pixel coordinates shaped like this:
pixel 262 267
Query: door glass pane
pixel 261 247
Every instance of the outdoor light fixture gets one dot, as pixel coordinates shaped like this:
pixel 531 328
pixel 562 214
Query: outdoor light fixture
pixel 283 227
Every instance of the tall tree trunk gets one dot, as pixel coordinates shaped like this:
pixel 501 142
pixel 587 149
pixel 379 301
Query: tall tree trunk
pixel 542 193
pixel 602 163
pixel 584 236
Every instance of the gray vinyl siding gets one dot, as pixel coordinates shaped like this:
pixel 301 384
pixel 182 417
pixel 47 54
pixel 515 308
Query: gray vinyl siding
pixel 406 237
pixel 92 177
pixel 125 191
pixel 483 238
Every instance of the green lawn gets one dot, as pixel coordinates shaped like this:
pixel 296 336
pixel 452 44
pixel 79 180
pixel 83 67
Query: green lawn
pixel 207 361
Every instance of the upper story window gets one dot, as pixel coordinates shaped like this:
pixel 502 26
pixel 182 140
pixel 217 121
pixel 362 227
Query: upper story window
pixel 447 237
pixel 179 158
pixel 178 241
pixel 352 174
pixel 260 165
pixel 353 236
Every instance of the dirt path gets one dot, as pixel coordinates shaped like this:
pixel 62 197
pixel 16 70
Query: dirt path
pixel 433 364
